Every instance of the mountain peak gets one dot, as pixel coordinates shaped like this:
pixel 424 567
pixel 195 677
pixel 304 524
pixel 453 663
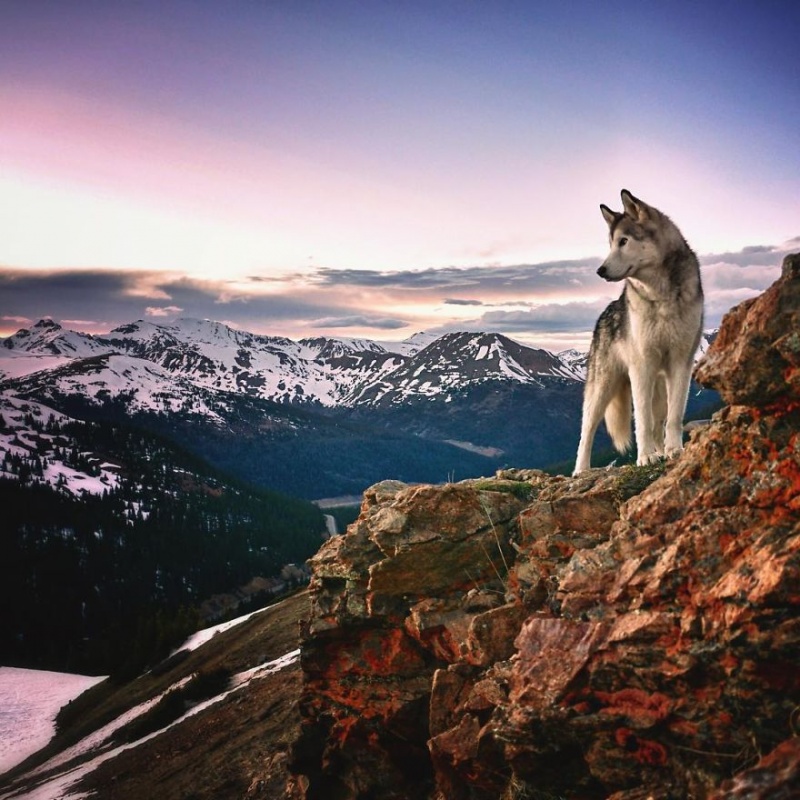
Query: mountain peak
pixel 46 323
pixel 330 346
pixel 47 337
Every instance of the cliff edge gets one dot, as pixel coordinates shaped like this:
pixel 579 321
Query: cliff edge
pixel 630 633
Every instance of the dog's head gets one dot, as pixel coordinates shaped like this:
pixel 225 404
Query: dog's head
pixel 636 236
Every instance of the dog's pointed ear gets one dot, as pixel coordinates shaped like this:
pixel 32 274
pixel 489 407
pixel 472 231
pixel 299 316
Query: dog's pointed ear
pixel 634 207
pixel 608 215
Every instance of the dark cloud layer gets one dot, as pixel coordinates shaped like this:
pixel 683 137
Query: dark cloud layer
pixel 551 275
pixel 119 296
pixel 360 321
pixel 455 301
pixel 552 297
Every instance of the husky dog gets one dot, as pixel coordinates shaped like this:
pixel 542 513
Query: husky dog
pixel 644 342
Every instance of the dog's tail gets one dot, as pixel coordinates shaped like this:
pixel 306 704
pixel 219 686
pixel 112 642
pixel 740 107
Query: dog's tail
pixel 618 417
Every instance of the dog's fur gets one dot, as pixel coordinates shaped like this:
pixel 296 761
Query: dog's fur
pixel 644 342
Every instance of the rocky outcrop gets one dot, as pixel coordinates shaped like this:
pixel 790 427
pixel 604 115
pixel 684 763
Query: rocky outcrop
pixel 625 634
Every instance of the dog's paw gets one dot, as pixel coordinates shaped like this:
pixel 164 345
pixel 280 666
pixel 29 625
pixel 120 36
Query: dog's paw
pixel 645 459
pixel 674 452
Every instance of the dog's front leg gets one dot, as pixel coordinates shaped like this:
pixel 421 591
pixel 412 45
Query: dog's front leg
pixel 642 388
pixel 677 394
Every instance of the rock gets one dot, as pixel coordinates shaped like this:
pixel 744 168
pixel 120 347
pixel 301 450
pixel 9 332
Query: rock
pixel 377 636
pixel 755 359
pixel 774 777
pixel 630 633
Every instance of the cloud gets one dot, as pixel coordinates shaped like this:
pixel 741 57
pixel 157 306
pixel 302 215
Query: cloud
pixel 454 301
pixel 89 323
pixel 359 322
pixel 548 299
pixel 550 318
pixel 722 276
pixel 162 311
pixel 542 277
pixel 752 255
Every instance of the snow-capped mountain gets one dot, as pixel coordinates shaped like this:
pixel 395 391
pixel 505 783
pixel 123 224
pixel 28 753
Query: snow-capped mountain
pixel 44 346
pixel 192 365
pixel 457 361
pixel 157 365
pixel 48 338
pixel 214 356
pixel 576 361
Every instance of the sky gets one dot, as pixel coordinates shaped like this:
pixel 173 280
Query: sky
pixel 373 169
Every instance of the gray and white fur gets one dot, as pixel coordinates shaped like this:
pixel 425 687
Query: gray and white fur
pixel 644 342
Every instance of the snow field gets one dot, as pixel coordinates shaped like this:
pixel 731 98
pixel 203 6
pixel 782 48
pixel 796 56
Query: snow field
pixel 29 702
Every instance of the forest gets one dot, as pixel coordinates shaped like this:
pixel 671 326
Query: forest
pixel 107 582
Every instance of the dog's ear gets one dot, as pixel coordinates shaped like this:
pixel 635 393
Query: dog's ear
pixel 635 208
pixel 608 215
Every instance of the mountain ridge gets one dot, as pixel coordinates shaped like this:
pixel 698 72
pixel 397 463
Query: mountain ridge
pixel 327 371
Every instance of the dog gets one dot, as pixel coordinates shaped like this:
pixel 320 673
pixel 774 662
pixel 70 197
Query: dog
pixel 644 342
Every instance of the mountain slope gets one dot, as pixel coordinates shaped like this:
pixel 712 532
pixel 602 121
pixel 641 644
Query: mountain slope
pixel 457 361
pixel 111 533
pixel 139 740
pixel 49 338
pixel 214 356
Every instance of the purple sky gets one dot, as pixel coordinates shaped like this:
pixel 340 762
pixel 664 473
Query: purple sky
pixel 372 169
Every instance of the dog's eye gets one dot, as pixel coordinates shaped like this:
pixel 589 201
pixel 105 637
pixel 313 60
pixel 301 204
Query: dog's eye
pixel 623 240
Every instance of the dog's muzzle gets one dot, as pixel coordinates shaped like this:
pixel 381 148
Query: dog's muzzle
pixel 606 275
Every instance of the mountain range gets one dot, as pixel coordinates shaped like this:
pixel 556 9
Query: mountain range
pixel 317 417
pixel 319 371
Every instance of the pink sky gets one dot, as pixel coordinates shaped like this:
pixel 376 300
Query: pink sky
pixel 188 143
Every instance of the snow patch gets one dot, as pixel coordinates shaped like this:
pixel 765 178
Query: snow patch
pixel 29 702
pixel 199 638
pixel 58 787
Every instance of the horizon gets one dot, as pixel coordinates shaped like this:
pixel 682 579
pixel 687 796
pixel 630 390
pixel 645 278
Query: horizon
pixel 308 168
pixel 388 344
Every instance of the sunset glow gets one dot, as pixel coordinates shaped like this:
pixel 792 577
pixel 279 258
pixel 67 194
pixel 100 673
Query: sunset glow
pixel 372 170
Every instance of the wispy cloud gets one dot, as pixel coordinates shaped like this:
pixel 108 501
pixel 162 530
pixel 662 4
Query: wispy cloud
pixel 16 319
pixel 162 311
pixel 360 321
